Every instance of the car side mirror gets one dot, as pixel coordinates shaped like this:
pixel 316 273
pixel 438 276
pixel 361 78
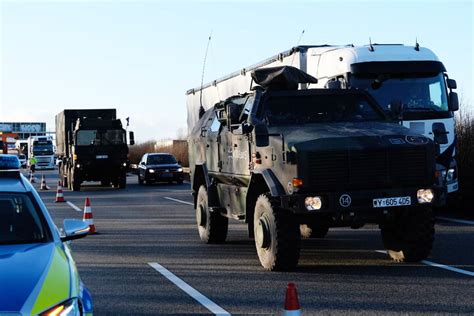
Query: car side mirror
pixel 262 139
pixel 131 137
pixel 74 229
pixel 440 135
pixel 453 101
pixel 451 84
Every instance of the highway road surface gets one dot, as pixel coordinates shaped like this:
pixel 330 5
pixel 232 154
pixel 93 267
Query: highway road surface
pixel 147 259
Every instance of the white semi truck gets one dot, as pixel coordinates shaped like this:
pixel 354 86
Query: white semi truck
pixel 43 149
pixel 410 76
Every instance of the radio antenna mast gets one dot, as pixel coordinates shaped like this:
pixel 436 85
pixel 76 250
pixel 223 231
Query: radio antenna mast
pixel 202 75
pixel 297 44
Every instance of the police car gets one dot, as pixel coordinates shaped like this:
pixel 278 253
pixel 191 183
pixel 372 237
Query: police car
pixel 37 273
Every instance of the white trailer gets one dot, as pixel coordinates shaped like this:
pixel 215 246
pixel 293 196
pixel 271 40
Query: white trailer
pixel 412 75
pixel 43 149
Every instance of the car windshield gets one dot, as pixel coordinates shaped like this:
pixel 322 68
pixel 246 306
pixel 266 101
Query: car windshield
pixel 306 109
pixel 416 93
pixel 21 157
pixel 100 137
pixel 20 222
pixel 160 160
pixel 40 150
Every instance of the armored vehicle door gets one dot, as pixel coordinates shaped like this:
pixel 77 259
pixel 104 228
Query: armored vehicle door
pixel 236 141
pixel 212 144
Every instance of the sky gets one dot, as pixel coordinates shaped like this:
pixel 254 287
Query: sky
pixel 142 56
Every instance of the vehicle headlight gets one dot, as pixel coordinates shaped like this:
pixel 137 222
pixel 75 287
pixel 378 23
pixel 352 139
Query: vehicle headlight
pixel 68 308
pixel 425 196
pixel 124 164
pixel 151 171
pixel 449 175
pixel 78 165
pixel 313 203
pixel 180 170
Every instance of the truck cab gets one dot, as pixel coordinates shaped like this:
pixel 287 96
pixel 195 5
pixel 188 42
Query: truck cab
pixel 42 148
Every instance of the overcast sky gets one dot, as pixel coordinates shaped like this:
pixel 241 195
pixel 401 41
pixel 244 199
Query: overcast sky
pixel 141 56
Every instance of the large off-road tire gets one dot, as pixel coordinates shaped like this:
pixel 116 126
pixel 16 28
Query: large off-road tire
pixel 122 184
pixel 410 236
pixel 277 236
pixel 212 226
pixel 140 180
pixel 313 231
pixel 76 185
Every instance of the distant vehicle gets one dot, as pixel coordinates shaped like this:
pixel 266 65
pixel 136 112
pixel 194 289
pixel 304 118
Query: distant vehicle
pixel 92 146
pixel 294 163
pixel 22 159
pixel 43 149
pixel 38 275
pixel 159 167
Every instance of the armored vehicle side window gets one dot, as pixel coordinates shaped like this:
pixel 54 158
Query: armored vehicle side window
pixel 215 125
pixel 306 109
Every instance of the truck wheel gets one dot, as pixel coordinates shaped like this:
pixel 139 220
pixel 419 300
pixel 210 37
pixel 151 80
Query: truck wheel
pixel 76 185
pixel 410 237
pixel 122 184
pixel 313 231
pixel 212 226
pixel 277 236
pixel 140 180
pixel 105 183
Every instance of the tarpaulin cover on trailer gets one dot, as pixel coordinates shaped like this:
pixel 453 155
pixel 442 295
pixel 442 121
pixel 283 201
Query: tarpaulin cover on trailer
pixel 281 78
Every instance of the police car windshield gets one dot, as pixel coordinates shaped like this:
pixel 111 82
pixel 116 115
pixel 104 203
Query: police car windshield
pixel 20 222
pixel 307 109
pixel 416 92
pixel 100 137
pixel 160 160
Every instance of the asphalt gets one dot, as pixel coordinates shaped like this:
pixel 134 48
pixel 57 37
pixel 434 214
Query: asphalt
pixel 340 274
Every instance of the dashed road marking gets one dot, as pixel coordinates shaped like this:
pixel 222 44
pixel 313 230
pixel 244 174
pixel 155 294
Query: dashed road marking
pixel 73 206
pixel 204 301
pixel 455 220
pixel 179 201
pixel 439 265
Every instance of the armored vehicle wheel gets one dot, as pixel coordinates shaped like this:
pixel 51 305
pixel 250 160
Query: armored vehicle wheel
pixel 410 237
pixel 313 231
pixel 140 181
pixel 122 183
pixel 212 226
pixel 76 185
pixel 104 183
pixel 277 236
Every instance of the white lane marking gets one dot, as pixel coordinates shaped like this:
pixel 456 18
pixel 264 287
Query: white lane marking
pixel 73 206
pixel 204 301
pixel 454 220
pixel 439 265
pixel 179 201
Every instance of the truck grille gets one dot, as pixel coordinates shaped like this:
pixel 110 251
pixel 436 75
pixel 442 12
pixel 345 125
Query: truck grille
pixel 365 170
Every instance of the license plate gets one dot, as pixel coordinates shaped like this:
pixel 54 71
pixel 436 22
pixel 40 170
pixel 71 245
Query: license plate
pixel 393 201
pixel 166 175
pixel 101 157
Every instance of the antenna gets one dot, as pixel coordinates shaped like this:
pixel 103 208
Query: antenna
pixel 203 69
pixel 417 46
pixel 371 47
pixel 297 44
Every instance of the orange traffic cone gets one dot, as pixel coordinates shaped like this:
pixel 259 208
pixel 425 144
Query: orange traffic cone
pixel 88 217
pixel 292 305
pixel 59 193
pixel 43 184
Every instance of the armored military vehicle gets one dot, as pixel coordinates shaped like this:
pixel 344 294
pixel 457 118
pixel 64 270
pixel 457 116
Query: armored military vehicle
pixel 293 163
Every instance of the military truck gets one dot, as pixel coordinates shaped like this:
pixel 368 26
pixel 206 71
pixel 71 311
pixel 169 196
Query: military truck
pixel 92 146
pixel 293 163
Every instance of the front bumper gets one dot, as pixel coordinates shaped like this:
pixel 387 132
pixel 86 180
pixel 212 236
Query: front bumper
pixel 360 201
pixel 164 176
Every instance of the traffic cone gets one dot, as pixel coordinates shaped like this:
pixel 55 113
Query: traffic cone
pixel 292 305
pixel 32 177
pixel 59 193
pixel 43 184
pixel 88 217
